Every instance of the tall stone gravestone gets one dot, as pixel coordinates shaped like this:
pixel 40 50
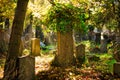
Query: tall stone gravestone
pixel 103 46
pixel 35 47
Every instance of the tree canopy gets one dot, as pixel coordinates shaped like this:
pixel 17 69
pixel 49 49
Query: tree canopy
pixel 60 16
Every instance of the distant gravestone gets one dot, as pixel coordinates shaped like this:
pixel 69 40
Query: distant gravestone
pixel 98 38
pixel 27 41
pixel 27 35
pixel 80 53
pixel 39 33
pixel 103 47
pixel 4 41
pixel 77 36
pixel 26 68
pixel 35 47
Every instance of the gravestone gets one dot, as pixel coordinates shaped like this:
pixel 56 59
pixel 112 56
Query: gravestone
pixel 27 41
pixel 35 47
pixel 103 47
pixel 4 41
pixel 98 38
pixel 80 53
pixel 91 33
pixel 26 68
pixel 28 34
pixel 77 36
pixel 39 33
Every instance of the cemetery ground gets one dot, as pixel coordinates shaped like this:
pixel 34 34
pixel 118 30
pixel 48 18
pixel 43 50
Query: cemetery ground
pixel 97 66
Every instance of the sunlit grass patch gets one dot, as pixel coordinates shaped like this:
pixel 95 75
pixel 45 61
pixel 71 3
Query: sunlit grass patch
pixel 48 49
pixel 105 56
pixel 104 65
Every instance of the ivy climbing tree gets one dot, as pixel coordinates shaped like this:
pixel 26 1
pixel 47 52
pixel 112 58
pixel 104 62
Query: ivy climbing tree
pixel 63 18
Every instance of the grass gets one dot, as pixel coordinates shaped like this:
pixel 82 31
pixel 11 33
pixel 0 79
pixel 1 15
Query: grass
pixel 48 49
pixel 105 64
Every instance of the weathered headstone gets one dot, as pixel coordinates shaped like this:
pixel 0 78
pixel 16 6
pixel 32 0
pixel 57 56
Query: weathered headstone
pixel 80 53
pixel 98 38
pixel 91 36
pixel 77 36
pixel 35 47
pixel 103 47
pixel 4 40
pixel 27 41
pixel 39 33
pixel 91 33
pixel 26 68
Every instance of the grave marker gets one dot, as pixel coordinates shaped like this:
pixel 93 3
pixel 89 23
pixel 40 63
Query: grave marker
pixel 35 47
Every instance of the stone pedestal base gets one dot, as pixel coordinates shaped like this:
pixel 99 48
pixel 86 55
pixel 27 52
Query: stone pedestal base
pixel 26 68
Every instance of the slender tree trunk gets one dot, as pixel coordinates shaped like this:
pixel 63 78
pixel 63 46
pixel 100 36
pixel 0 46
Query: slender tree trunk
pixel 65 56
pixel 11 64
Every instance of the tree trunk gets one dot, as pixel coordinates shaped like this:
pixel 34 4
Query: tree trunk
pixel 65 56
pixel 11 65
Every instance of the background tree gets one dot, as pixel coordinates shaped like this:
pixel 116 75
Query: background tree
pixel 7 8
pixel 11 64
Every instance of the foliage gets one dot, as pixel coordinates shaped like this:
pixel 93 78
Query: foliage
pixel 61 16
pixel 7 8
